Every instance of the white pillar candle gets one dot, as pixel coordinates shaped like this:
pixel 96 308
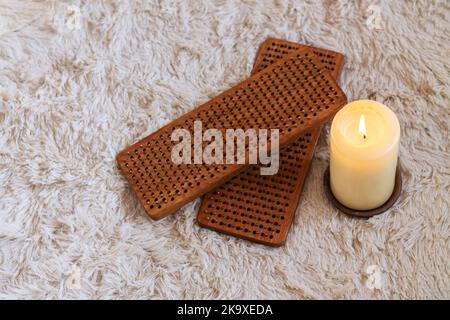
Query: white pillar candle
pixel 364 142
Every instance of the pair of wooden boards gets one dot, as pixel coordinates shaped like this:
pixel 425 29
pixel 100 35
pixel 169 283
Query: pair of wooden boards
pixel 292 89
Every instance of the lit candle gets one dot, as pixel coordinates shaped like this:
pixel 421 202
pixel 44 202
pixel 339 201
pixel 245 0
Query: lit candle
pixel 364 142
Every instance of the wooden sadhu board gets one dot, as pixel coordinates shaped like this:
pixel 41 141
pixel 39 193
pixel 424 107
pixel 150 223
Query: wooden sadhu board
pixel 293 95
pixel 261 208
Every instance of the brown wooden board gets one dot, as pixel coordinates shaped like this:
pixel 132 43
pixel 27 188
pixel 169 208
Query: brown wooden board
pixel 261 208
pixel 273 50
pixel 293 95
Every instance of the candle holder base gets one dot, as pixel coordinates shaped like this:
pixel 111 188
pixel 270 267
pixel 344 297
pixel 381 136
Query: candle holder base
pixel 364 213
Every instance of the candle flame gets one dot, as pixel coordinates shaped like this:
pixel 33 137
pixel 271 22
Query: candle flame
pixel 362 126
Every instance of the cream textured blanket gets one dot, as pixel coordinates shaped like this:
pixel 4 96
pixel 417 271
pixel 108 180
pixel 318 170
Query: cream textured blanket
pixel 81 80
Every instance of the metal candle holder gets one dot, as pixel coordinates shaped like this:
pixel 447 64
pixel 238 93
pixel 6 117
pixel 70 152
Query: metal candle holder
pixel 364 213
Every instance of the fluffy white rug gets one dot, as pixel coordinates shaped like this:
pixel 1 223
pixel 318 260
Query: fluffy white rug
pixel 80 81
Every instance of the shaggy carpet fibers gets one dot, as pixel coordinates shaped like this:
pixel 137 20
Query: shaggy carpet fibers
pixel 80 81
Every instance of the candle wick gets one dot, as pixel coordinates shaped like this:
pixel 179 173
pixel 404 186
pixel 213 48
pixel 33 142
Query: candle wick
pixel 364 136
